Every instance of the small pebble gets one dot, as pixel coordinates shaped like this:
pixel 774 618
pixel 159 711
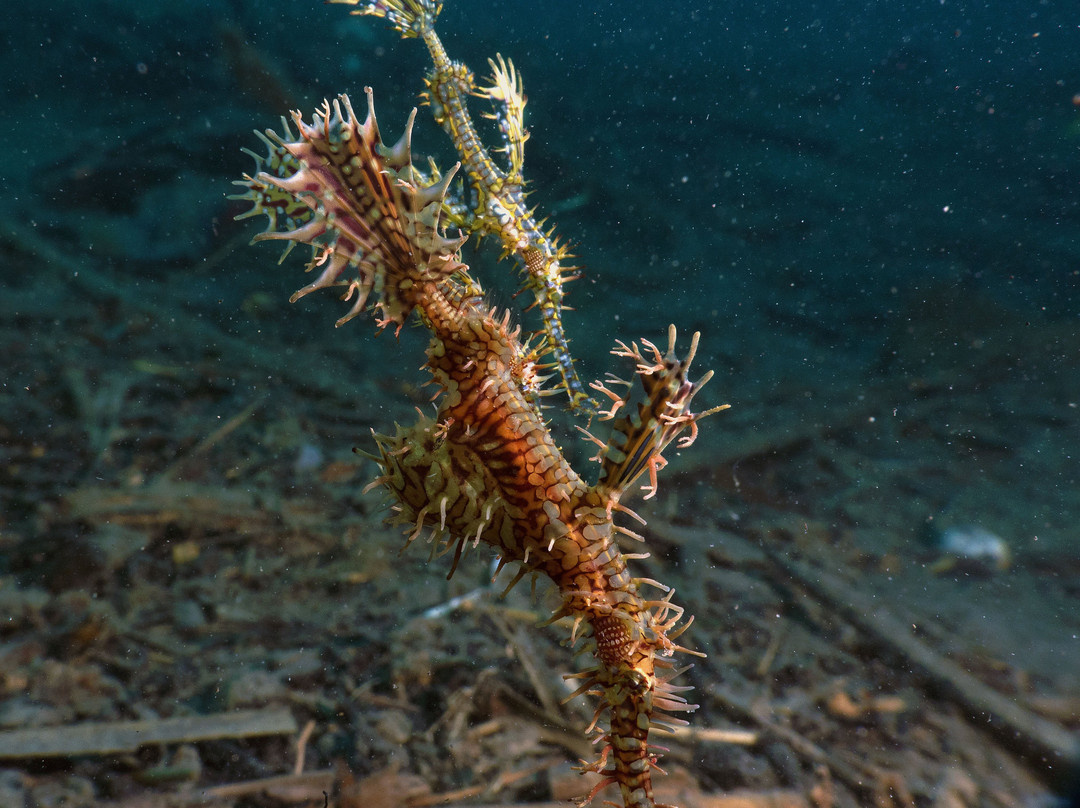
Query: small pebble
pixel 972 546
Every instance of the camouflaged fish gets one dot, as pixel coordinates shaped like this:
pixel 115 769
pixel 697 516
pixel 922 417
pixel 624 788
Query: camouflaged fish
pixel 485 469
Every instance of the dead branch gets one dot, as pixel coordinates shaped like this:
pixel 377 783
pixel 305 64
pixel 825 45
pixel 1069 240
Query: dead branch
pixel 116 737
pixel 1046 744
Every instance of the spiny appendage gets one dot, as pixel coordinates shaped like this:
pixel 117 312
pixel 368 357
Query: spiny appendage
pixel 641 433
pixel 508 103
pixel 632 635
pixel 359 205
pixel 632 680
pixel 635 703
pixel 283 210
pixel 411 18
pixel 435 485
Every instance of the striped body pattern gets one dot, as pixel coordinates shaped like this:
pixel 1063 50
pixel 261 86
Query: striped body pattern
pixel 485 469
pixel 497 203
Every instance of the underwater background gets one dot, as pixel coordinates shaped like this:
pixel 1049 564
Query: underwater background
pixel 870 211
